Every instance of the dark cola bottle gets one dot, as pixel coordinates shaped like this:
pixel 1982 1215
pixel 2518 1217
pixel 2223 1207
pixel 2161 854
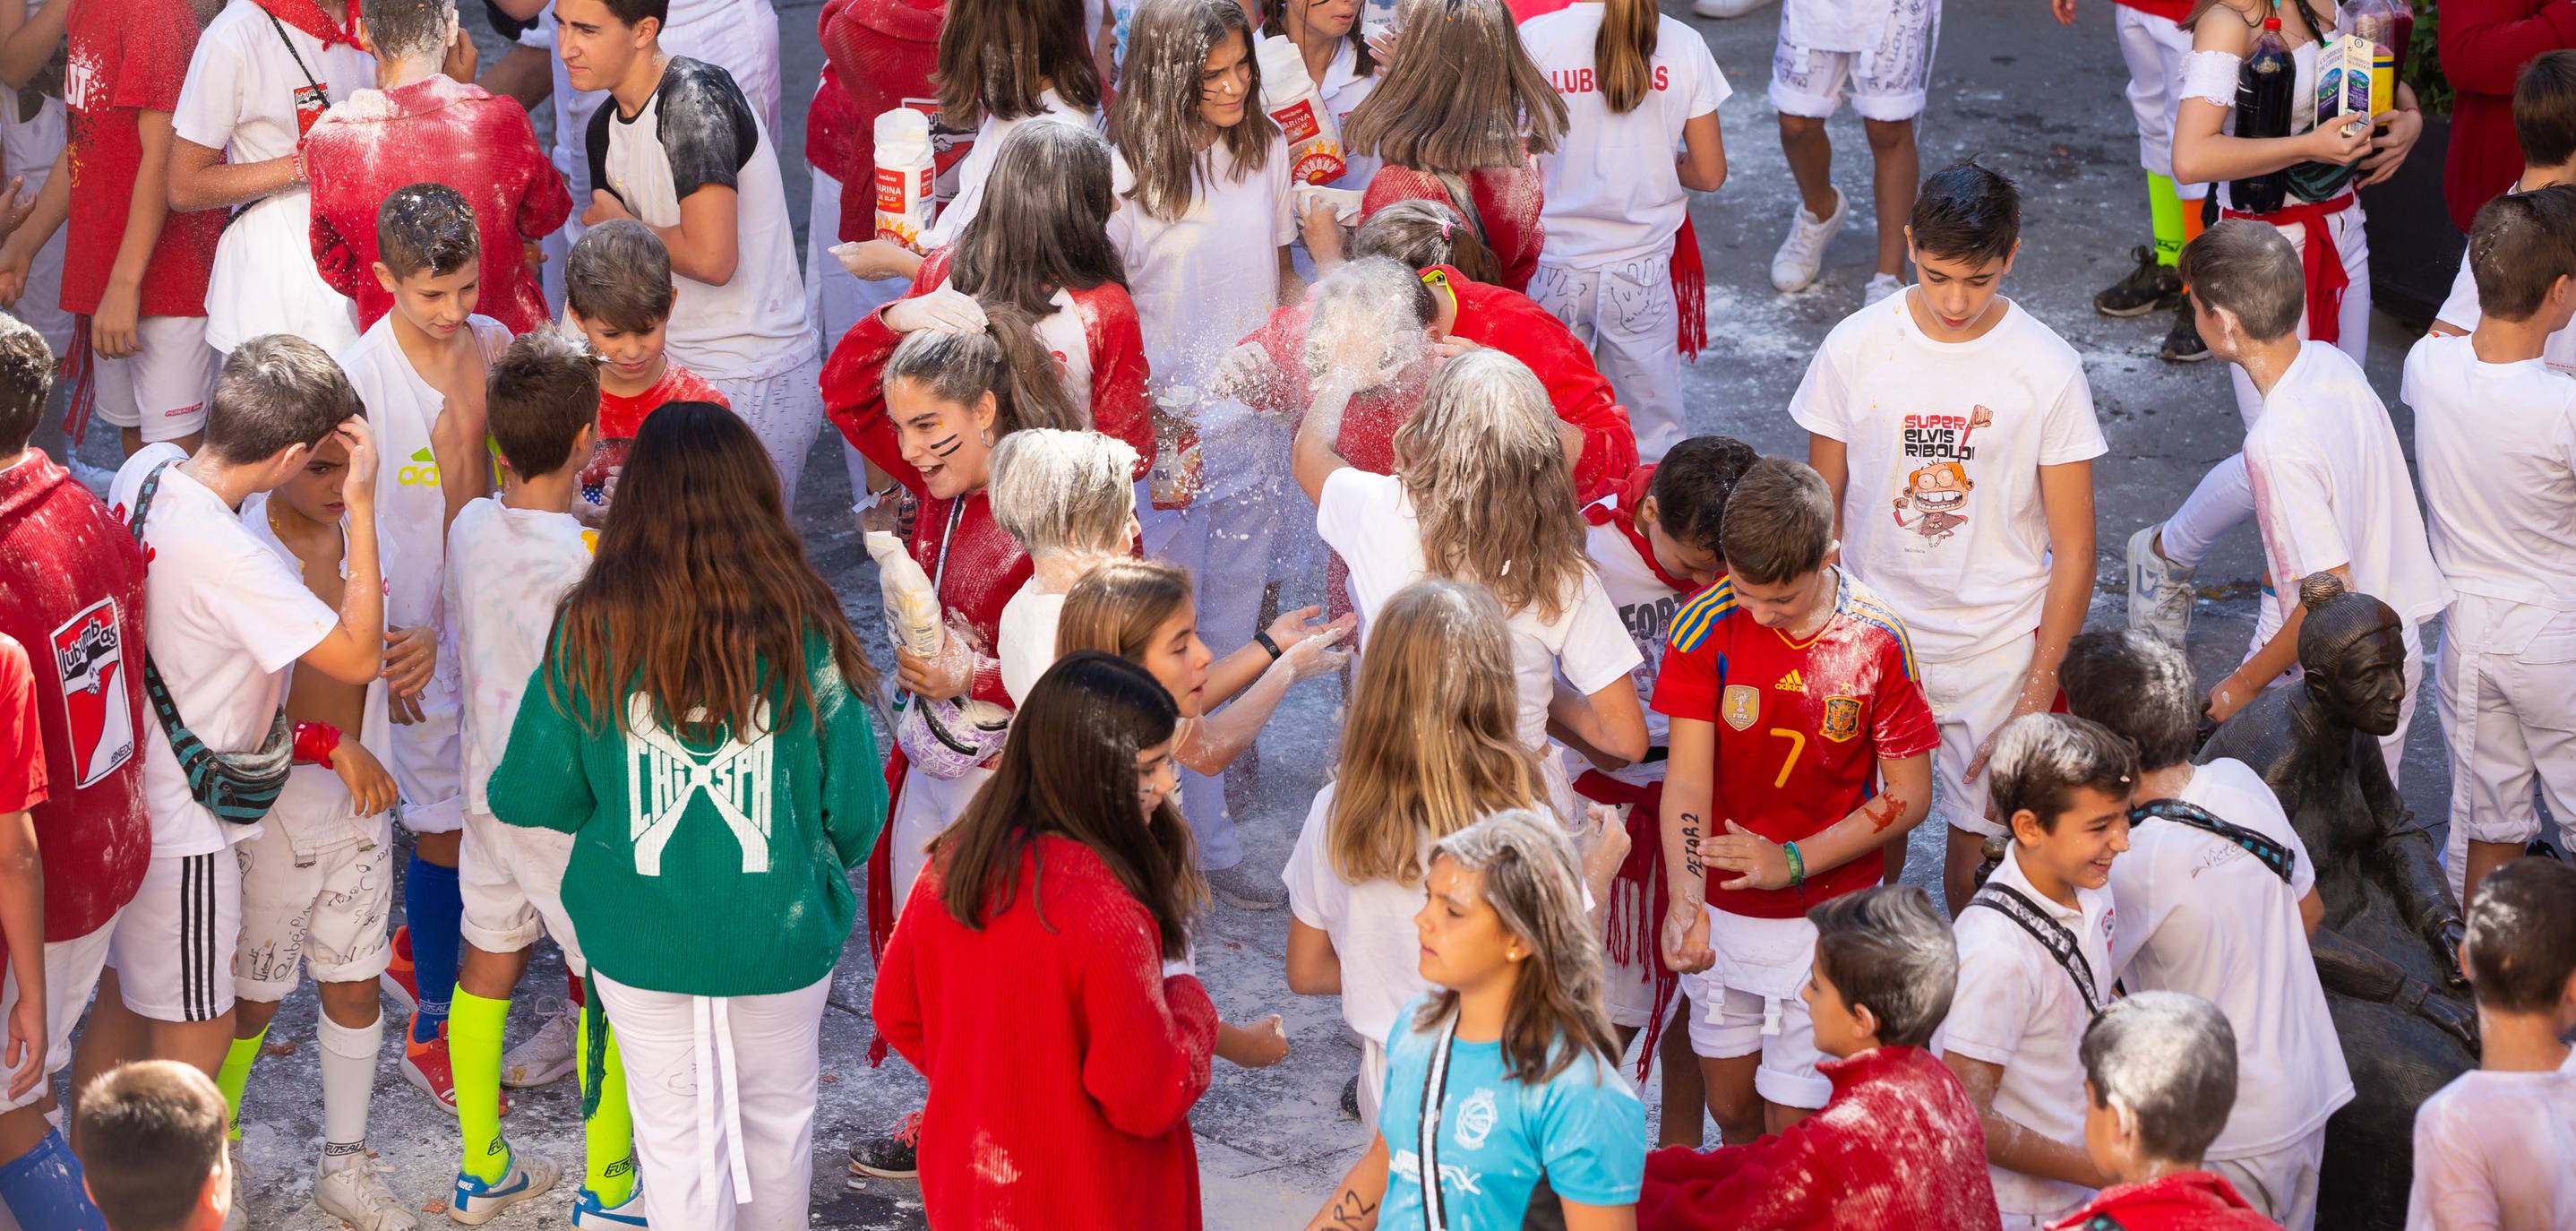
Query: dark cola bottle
pixel 2265 89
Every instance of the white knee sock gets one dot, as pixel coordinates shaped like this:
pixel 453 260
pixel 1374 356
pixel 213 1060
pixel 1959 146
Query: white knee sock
pixel 348 1081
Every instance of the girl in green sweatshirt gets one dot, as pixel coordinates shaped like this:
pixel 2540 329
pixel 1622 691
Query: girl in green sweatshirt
pixel 696 727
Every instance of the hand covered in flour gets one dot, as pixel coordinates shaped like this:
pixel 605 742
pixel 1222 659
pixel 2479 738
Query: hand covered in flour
pixel 944 676
pixel 1602 841
pixel 1246 369
pixel 945 310
pixel 604 207
pixel 1307 649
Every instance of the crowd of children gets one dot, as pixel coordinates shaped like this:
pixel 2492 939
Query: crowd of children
pixel 452 570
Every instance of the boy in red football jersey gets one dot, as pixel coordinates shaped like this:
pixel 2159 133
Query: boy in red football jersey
pixel 1801 746
pixel 618 292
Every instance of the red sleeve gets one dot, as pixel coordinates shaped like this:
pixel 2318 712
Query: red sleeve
pixel 547 203
pixel 1780 1181
pixel 1119 372
pixel 987 685
pixel 2485 43
pixel 156 45
pixel 854 386
pixel 1517 326
pixel 22 741
pixel 339 261
pixel 1686 685
pixel 1900 723
pixel 1149 1039
pixel 896 1002
pixel 1283 338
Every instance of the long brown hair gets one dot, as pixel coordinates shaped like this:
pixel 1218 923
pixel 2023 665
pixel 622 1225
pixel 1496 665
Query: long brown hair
pixel 699 597
pixel 1116 607
pixel 1068 769
pixel 1421 233
pixel 1004 359
pixel 1463 94
pixel 1534 882
pixel 997 56
pixel 1044 226
pixel 1432 741
pixel 1623 53
pixel 1487 476
pixel 1155 120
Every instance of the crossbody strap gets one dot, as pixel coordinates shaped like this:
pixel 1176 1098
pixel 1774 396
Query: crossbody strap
pixel 293 54
pixel 1435 1091
pixel 2276 856
pixel 2012 904
pixel 164 709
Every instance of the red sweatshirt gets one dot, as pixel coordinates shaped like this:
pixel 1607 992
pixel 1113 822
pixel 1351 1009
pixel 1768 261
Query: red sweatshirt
pixel 2183 1201
pixel 877 55
pixel 434 129
pixel 2484 45
pixel 71 591
pixel 1898 1148
pixel 1062 1062
pixel 1507 202
pixel 1107 380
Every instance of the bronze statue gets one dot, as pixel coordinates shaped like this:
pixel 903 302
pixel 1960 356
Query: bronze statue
pixel 2387 952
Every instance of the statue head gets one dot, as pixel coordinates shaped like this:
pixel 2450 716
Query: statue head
pixel 2354 650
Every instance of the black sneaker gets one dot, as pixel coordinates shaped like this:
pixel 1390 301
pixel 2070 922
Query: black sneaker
pixel 1351 1099
pixel 895 1156
pixel 2183 344
pixel 2148 287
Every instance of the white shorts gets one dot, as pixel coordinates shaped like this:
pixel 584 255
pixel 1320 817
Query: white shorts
pixel 512 880
pixel 1627 314
pixel 265 281
pixel 1971 699
pixel 2281 1185
pixel 1887 84
pixel 1628 988
pixel 786 412
pixel 162 388
pixel 428 761
pixel 2153 49
pixel 172 946
pixel 2509 720
pixel 71 974
pixel 327 911
pixel 1729 1020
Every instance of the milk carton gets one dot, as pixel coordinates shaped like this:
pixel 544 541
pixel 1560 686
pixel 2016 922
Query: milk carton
pixel 2356 79
pixel 1289 95
pixel 906 175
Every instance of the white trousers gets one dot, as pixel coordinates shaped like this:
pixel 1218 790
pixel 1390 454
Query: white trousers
pixel 2282 1185
pixel 786 412
pixel 1972 698
pixel 927 808
pixel 835 299
pixel 723 1090
pixel 1627 314
pixel 2153 48
pixel 2509 720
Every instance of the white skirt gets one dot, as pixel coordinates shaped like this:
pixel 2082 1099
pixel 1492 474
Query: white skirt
pixel 265 281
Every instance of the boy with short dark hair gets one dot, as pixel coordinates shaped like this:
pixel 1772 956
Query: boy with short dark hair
pixel 2035 959
pixel 510 560
pixel 2491 1148
pixel 2160 1077
pixel 1798 721
pixel 2544 125
pixel 2495 447
pixel 152 1140
pixel 618 292
pixel 420 124
pixel 1957 433
pixel 420 369
pixel 683 152
pixel 1879 986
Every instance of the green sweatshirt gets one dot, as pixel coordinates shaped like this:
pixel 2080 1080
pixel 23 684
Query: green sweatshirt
pixel 707 870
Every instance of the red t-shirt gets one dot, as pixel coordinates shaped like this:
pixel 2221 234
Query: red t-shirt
pixel 1801 726
pixel 126 58
pixel 621 417
pixel 22 740
pixel 434 129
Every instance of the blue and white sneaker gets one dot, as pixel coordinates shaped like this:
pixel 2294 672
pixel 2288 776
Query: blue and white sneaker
pixel 589 1215
pixel 2160 591
pixel 476 1202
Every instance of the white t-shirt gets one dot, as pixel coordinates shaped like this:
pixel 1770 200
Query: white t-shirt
pixel 1371 925
pixel 1027 636
pixel 223 618
pixel 2199 914
pixel 2461 311
pixel 1645 603
pixel 1942 512
pixel 1614 191
pixel 2018 1008
pixel 1343 89
pixel 2496 446
pixel 315 809
pixel 2330 489
pixel 2491 1151
pixel 977 166
pixel 241 87
pixel 507 573
pixel 411 505
pixel 699 131
pixel 1369 519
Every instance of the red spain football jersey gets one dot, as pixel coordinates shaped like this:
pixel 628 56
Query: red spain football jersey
pixel 1800 725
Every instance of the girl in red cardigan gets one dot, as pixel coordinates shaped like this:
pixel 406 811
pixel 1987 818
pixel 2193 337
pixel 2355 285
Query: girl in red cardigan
pixel 1446 134
pixel 1060 1096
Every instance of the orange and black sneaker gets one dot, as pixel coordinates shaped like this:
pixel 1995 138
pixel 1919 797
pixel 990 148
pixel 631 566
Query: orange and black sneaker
pixel 400 981
pixel 896 1156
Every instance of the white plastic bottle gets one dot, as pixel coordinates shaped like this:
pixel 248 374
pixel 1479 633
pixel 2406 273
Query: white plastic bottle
pixel 906 174
pixel 1315 154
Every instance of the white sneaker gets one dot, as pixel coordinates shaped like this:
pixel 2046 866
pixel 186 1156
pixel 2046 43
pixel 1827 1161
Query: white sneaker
pixel 1879 287
pixel 1722 9
pixel 1803 253
pixel 475 1202
pixel 238 1217
pixel 2160 591
pixel 546 1056
pixel 358 1196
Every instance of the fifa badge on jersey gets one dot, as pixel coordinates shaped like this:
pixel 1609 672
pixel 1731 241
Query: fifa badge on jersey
pixel 1842 718
pixel 89 658
pixel 1740 705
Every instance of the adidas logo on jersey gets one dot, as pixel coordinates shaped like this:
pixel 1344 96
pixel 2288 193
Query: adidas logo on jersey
pixel 1791 682
pixel 424 473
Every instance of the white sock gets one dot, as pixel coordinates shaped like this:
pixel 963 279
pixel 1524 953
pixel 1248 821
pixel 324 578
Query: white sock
pixel 348 1081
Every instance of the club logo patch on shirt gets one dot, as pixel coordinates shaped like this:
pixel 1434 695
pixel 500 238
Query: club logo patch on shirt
pixel 89 657
pixel 1476 1119
pixel 1842 719
pixel 1740 705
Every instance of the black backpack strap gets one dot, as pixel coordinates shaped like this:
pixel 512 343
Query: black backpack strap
pixel 2012 904
pixel 2279 858
pixel 143 501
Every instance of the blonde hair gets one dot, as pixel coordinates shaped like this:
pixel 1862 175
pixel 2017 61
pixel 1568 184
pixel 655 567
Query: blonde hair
pixel 1431 742
pixel 1063 492
pixel 1623 53
pixel 1482 463
pixel 1463 93
pixel 1534 882
pixel 1116 607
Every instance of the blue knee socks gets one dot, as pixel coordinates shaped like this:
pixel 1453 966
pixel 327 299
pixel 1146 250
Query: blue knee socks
pixel 434 907
pixel 43 1189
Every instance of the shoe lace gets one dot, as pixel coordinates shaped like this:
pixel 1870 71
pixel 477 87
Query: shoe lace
pixel 908 1131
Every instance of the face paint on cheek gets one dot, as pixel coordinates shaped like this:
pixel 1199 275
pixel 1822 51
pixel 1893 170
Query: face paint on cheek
pixel 946 447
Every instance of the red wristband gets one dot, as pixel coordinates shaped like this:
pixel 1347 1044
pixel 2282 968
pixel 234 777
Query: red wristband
pixel 315 742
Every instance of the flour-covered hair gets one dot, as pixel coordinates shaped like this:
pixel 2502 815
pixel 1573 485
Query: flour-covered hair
pixel 2140 686
pixel 1885 947
pixel 409 30
pixel 1534 882
pixel 1005 359
pixel 1367 316
pixel 2165 1064
pixel 1063 492
pixel 1481 460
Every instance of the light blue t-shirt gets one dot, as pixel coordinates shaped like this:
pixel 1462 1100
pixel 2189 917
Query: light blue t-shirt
pixel 1584 1129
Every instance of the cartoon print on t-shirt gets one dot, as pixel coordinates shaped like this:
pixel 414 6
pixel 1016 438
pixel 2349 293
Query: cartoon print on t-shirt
pixel 1936 490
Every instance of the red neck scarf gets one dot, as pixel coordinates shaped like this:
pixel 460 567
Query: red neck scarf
pixel 1623 514
pixel 307 15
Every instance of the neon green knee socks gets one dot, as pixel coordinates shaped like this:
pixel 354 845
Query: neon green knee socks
pixel 234 1077
pixel 2164 209
pixel 474 1026
pixel 608 1133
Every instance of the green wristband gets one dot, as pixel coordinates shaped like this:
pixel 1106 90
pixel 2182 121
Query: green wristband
pixel 1797 865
